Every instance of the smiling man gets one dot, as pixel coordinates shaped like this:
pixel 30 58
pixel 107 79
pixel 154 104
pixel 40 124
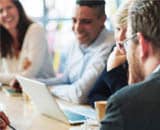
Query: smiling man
pixel 88 56
pixel 137 106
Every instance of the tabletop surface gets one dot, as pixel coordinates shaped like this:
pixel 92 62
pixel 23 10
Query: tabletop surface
pixel 23 115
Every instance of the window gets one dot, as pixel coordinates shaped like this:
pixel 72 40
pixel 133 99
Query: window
pixel 56 15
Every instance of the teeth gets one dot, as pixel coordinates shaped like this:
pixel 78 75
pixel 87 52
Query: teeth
pixel 81 35
pixel 8 19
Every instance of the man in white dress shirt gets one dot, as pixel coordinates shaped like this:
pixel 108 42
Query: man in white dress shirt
pixel 88 56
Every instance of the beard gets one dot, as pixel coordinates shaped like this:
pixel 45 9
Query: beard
pixel 136 73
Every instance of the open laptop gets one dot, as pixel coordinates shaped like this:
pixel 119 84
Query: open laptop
pixel 46 103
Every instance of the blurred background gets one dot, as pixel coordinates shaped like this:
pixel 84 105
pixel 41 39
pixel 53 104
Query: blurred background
pixel 56 17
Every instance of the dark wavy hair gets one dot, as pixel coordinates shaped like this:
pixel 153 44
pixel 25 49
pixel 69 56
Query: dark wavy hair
pixel 6 39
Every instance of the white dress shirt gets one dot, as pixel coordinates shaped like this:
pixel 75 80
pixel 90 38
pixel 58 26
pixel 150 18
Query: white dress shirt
pixel 84 66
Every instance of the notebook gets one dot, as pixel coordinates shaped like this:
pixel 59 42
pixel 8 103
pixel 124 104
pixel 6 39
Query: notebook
pixel 46 103
pixel 11 92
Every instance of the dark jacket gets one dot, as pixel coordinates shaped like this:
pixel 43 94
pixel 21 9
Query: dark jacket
pixel 108 83
pixel 135 107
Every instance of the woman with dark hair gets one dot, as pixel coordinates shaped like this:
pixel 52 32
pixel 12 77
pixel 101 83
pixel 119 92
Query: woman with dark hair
pixel 23 46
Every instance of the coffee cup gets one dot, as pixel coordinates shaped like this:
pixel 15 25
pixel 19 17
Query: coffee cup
pixel 100 107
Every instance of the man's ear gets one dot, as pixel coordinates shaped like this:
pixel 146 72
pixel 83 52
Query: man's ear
pixel 103 19
pixel 144 46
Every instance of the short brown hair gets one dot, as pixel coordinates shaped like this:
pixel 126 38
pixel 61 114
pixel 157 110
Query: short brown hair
pixel 145 18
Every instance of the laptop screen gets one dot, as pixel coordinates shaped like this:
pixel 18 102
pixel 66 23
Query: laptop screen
pixel 46 103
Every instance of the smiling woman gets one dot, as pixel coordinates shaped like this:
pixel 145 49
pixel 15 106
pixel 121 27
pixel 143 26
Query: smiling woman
pixel 23 46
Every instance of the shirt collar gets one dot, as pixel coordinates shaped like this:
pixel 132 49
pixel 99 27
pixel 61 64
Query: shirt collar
pixel 157 69
pixel 100 39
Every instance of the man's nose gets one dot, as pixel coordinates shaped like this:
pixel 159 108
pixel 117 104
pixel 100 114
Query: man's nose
pixel 78 27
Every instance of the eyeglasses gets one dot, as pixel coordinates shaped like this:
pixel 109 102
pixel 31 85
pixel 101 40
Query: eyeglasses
pixel 125 42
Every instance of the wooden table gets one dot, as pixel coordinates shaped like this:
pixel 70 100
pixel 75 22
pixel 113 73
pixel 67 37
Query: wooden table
pixel 24 116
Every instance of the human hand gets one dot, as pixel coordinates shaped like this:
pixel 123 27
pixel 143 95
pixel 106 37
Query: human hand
pixel 4 121
pixel 116 58
pixel 14 84
pixel 26 64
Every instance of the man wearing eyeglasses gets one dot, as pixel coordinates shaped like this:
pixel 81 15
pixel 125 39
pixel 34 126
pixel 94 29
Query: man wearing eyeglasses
pixel 137 106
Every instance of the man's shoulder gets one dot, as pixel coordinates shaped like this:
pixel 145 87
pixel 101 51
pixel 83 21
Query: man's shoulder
pixel 128 93
pixel 105 41
pixel 105 36
pixel 109 36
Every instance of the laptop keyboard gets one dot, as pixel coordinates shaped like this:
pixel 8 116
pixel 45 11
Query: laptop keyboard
pixel 74 116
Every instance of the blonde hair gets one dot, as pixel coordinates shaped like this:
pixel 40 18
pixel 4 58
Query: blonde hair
pixel 121 15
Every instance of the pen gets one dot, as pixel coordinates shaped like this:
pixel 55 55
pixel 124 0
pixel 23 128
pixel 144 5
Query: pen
pixel 10 126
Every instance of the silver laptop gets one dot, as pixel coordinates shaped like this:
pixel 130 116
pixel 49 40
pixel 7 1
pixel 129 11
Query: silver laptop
pixel 46 104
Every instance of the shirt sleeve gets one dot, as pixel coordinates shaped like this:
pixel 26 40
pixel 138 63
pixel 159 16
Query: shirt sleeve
pixel 6 78
pixel 116 78
pixel 34 49
pixel 78 91
pixel 56 80
pixel 100 90
pixel 36 45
